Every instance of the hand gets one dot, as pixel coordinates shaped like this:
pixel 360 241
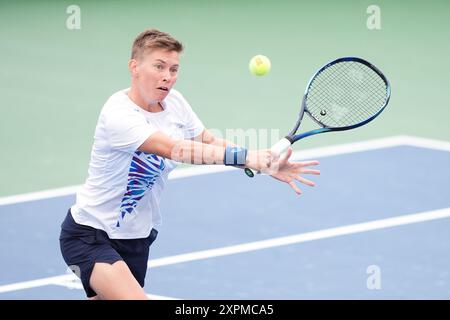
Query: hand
pixel 290 171
pixel 261 160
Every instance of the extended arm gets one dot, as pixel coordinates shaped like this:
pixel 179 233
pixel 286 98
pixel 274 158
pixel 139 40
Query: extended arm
pixel 282 170
pixel 195 152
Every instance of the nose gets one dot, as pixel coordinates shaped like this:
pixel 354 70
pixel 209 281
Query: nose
pixel 167 76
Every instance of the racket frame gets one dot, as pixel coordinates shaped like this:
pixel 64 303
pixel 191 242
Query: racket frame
pixel 282 145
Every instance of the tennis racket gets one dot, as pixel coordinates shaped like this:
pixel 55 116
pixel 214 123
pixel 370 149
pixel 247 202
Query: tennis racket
pixel 344 94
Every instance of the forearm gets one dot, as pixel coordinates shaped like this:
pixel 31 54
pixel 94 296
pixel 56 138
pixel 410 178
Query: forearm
pixel 222 143
pixel 193 152
pixel 207 137
pixel 253 160
pixel 186 151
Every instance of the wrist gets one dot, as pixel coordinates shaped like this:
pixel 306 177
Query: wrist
pixel 235 156
pixel 252 160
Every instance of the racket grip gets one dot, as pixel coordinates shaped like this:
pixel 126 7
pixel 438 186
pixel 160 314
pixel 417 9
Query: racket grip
pixel 281 146
pixel 278 148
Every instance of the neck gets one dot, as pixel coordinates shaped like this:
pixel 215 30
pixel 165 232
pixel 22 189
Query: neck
pixel 153 106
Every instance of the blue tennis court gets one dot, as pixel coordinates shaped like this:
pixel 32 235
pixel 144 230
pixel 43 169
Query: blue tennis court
pixel 379 205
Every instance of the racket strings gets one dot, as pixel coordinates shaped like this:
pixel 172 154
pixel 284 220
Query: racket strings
pixel 335 105
pixel 338 100
pixel 338 94
pixel 345 94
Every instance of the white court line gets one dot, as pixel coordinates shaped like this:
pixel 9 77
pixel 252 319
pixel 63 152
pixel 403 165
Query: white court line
pixel 74 283
pixel 426 143
pixel 36 283
pixel 257 245
pixel 298 155
pixel 39 195
pixel 303 237
pixel 69 281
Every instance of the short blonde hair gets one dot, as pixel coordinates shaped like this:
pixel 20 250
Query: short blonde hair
pixel 154 39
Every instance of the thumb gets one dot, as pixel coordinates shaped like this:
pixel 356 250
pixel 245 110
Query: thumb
pixel 287 155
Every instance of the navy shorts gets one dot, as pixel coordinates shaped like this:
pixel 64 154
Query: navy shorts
pixel 82 246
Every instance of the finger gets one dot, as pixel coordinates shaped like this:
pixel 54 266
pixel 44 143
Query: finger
pixel 296 166
pixel 297 169
pixel 287 155
pixel 294 186
pixel 305 181
pixel 310 171
pixel 309 163
pixel 274 156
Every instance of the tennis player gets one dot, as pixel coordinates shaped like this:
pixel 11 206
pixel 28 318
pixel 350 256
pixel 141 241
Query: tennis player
pixel 141 133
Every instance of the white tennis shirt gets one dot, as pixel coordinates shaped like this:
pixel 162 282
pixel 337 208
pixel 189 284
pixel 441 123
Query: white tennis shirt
pixel 122 192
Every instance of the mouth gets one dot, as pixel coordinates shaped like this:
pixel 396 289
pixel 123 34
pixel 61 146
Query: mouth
pixel 163 89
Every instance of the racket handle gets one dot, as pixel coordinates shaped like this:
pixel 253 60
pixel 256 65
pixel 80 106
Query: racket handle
pixel 281 146
pixel 278 148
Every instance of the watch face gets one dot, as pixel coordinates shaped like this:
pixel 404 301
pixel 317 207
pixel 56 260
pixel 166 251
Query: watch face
pixel 249 172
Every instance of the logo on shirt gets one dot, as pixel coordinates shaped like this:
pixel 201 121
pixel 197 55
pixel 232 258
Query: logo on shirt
pixel 145 168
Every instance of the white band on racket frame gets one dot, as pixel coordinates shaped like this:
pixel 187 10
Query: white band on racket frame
pixel 281 146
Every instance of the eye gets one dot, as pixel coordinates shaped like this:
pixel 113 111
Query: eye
pixel 174 70
pixel 158 66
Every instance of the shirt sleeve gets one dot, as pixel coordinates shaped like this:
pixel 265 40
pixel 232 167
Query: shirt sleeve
pixel 127 129
pixel 193 125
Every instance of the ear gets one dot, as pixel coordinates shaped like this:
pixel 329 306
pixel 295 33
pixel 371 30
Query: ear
pixel 132 66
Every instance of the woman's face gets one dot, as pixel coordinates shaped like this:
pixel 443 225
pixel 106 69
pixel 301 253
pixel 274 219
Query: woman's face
pixel 155 74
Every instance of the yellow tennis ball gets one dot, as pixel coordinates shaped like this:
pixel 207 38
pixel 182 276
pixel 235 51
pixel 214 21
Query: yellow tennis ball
pixel 259 65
